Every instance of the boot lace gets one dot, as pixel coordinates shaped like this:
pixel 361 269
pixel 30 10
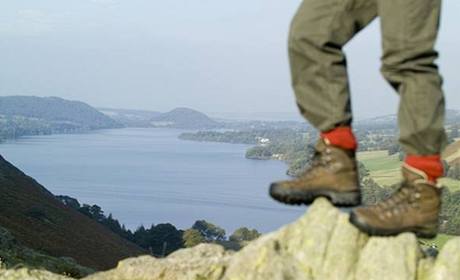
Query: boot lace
pixel 401 201
pixel 321 158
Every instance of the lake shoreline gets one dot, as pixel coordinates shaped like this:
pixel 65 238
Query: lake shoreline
pixel 140 151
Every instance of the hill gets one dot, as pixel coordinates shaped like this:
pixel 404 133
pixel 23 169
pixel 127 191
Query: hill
pixel 30 115
pixel 41 222
pixel 13 254
pixel 184 118
pixel 452 118
pixel 321 245
pixel 131 118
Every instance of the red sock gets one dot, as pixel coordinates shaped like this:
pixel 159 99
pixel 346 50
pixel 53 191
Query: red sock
pixel 342 137
pixel 431 165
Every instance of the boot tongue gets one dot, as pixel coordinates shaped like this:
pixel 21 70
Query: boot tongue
pixel 320 145
pixel 412 174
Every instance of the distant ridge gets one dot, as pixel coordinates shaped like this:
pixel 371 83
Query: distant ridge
pixel 130 118
pixel 55 112
pixel 452 116
pixel 184 118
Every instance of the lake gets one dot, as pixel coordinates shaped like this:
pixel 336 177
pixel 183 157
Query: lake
pixel 145 176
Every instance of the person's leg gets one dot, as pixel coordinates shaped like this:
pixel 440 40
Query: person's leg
pixel 409 31
pixel 318 32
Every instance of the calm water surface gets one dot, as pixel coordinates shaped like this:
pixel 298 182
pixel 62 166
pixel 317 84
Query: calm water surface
pixel 145 176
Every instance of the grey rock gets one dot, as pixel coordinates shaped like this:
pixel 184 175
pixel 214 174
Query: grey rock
pixel 204 261
pixel 389 258
pixel 425 268
pixel 447 264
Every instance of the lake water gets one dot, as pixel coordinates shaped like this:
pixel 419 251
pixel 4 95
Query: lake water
pixel 145 176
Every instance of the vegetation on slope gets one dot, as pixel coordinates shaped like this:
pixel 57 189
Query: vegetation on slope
pixel 162 239
pixel 13 255
pixel 41 222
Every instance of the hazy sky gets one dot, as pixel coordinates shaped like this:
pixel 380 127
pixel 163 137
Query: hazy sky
pixel 211 55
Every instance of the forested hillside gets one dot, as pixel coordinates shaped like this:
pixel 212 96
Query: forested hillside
pixel 30 115
pixel 41 222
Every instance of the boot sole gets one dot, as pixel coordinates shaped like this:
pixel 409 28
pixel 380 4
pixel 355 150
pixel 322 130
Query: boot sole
pixel 297 197
pixel 419 231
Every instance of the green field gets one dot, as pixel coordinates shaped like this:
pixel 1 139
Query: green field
pixel 453 185
pixel 452 152
pixel 439 241
pixel 385 169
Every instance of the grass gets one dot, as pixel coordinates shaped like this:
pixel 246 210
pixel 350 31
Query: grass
pixel 439 241
pixel 451 184
pixel 452 152
pixel 385 169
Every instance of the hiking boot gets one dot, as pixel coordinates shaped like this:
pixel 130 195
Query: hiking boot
pixel 333 174
pixel 414 207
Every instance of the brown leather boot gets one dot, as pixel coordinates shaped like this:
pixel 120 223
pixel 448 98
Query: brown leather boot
pixel 414 207
pixel 333 174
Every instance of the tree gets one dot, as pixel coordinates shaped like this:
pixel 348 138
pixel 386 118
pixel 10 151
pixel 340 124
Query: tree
pixel 161 239
pixel 69 201
pixel 259 152
pixel 455 133
pixel 372 192
pixel 402 155
pixel 94 212
pixel 164 239
pixel 140 237
pixel 450 214
pixel 209 231
pixel 115 226
pixel 393 149
pixel 192 237
pixel 244 234
pixel 362 170
pixel 454 171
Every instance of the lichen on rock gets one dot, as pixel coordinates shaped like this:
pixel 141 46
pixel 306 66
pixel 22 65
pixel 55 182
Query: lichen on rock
pixel 321 245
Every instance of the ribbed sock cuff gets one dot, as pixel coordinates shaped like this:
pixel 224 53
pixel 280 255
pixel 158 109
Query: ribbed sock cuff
pixel 341 137
pixel 431 165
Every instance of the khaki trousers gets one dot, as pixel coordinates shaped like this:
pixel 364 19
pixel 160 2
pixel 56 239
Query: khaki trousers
pixel 409 29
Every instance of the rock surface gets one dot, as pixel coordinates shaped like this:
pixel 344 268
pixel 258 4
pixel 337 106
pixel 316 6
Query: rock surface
pixel 320 245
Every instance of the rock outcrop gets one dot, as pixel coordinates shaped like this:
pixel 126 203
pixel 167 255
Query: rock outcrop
pixel 321 245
